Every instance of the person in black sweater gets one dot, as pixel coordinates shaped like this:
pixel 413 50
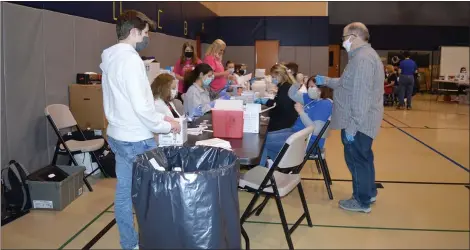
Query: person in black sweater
pixel 283 115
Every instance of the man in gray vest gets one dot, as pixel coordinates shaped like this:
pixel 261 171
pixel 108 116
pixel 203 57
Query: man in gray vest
pixel 358 111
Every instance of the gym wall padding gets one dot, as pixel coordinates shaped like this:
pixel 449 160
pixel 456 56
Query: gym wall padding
pixel 42 51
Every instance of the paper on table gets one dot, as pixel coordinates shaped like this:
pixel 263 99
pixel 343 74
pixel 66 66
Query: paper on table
pixel 251 118
pixel 215 142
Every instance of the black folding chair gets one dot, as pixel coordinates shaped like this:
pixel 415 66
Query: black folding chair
pixel 272 182
pixel 60 117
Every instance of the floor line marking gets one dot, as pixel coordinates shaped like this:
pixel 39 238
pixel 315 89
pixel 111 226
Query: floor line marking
pixel 396 120
pixel 85 227
pixel 433 149
pixel 396 182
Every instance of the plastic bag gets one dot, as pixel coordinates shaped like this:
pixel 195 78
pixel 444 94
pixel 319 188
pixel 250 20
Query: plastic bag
pixel 190 202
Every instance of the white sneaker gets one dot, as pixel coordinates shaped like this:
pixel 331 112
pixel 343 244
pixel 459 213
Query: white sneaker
pixel 373 199
pixel 136 247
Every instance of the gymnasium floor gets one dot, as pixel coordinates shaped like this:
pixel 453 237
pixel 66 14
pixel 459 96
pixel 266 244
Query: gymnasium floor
pixel 421 159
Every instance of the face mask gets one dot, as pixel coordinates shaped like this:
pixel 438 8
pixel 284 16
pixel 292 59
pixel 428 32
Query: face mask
pixel 242 72
pixel 231 70
pixel 174 92
pixel 313 93
pixel 142 45
pixel 206 82
pixel 347 45
pixel 188 54
pixel 275 81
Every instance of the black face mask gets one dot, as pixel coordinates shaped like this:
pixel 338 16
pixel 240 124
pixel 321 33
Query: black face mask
pixel 242 72
pixel 188 54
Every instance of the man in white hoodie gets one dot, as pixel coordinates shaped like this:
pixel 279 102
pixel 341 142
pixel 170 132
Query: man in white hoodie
pixel 130 111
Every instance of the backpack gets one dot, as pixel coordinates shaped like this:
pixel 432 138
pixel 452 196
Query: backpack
pixel 16 200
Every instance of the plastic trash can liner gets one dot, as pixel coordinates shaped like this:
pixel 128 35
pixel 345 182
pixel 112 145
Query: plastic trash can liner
pixel 187 198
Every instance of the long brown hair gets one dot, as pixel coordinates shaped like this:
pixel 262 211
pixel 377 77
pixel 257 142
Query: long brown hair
pixel 161 87
pixel 183 57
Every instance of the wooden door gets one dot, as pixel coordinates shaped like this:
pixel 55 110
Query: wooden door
pixel 266 54
pixel 333 61
pixel 198 46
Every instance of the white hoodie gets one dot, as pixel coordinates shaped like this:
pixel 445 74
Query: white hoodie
pixel 127 97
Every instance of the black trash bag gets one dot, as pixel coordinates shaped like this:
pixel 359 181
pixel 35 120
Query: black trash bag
pixel 190 202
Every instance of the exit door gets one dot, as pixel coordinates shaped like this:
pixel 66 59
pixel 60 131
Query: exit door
pixel 266 54
pixel 333 61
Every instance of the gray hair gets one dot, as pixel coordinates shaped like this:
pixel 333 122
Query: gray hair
pixel 358 29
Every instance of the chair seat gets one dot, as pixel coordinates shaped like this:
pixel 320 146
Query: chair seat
pixel 285 182
pixel 83 146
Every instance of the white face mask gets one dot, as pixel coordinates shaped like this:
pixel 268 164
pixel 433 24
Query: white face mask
pixel 347 44
pixel 174 92
pixel 314 93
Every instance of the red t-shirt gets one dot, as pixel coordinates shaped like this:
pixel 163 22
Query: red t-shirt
pixel 182 69
pixel 219 82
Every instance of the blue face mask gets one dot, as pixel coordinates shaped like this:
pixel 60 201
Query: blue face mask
pixel 206 82
pixel 275 81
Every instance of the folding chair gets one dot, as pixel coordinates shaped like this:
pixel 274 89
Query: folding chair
pixel 273 182
pixel 60 117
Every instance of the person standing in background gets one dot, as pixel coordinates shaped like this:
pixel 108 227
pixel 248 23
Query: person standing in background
pixel 187 61
pixel 129 108
pixel 358 112
pixel 294 70
pixel 213 58
pixel 407 70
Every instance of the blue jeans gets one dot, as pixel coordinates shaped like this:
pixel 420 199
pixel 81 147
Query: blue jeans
pixel 273 144
pixel 405 89
pixel 126 153
pixel 276 139
pixel 360 160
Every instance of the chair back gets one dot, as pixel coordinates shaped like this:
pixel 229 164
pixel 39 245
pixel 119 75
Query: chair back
pixel 296 147
pixel 61 116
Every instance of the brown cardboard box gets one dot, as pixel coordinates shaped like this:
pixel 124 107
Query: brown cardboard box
pixel 86 105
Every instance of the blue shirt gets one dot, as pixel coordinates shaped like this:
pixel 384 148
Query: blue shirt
pixel 317 111
pixel 408 67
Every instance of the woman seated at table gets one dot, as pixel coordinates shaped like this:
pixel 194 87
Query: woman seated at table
pixel 314 108
pixel 197 100
pixel 164 91
pixel 283 115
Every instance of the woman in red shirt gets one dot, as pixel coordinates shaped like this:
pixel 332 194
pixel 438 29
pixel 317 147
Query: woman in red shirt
pixel 187 62
pixel 213 57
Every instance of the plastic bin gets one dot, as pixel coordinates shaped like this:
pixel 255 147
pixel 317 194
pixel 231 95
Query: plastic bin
pixel 55 195
pixel 187 198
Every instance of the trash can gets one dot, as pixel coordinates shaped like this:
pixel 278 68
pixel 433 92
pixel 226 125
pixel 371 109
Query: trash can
pixel 187 198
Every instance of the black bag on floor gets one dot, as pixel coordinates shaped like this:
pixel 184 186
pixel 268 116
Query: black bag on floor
pixel 16 200
pixel 187 198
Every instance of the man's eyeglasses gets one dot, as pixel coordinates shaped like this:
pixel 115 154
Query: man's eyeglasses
pixel 346 36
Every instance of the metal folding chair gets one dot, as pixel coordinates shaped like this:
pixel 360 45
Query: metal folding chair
pixel 274 183
pixel 60 117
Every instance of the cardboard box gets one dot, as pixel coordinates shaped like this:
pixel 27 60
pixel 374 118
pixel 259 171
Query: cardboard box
pixel 86 105
pixel 179 139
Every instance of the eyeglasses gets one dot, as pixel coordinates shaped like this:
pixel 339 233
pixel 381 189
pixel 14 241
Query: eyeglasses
pixel 345 36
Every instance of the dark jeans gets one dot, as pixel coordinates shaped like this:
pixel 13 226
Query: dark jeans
pixel 360 160
pixel 405 87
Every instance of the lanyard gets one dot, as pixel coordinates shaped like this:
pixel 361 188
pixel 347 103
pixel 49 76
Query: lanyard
pixel 307 107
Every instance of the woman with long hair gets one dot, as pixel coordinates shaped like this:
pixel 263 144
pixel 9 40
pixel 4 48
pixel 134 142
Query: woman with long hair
pixel 283 115
pixel 187 61
pixel 164 91
pixel 197 99
pixel 213 58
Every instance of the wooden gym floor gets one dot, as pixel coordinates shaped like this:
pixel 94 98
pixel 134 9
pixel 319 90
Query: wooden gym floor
pixel 421 160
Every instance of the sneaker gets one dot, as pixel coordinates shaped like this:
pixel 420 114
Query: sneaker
pixel 373 199
pixel 408 108
pixel 136 247
pixel 354 206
